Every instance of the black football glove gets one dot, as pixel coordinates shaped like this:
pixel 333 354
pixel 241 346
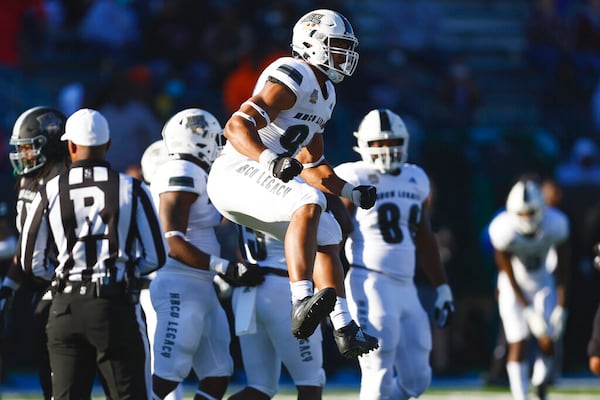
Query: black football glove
pixel 364 196
pixel 286 168
pixel 243 274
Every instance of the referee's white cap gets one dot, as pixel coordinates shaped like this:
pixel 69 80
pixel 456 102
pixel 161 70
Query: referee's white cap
pixel 86 127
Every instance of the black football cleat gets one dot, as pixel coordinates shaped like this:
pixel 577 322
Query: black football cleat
pixel 310 311
pixel 352 341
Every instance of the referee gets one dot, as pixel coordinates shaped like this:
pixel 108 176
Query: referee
pixel 105 230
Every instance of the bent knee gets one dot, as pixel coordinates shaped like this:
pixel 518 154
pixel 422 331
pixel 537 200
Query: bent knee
pixel 418 384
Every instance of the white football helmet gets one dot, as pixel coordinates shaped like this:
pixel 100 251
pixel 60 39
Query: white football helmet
pixel 195 132
pixel 153 157
pixel 526 204
pixel 312 41
pixel 382 124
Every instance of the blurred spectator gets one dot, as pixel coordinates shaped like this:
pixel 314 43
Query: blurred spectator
pixel 548 36
pixel 238 85
pixel 71 98
pixel 595 109
pixel 21 29
pixel 564 101
pixel 460 95
pixel 586 29
pixel 413 27
pixel 112 27
pixel 583 167
pixel 552 192
pixel 226 40
pixel 173 30
pixel 133 125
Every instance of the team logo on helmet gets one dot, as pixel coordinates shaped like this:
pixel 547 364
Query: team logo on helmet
pixel 313 18
pixel 197 124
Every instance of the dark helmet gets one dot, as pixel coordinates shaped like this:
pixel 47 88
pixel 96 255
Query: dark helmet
pixel 38 130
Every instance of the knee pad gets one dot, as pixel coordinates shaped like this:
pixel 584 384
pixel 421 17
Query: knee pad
pixel 418 384
pixel 329 232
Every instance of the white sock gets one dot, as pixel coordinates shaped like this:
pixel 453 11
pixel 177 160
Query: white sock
pixel 541 370
pixel 518 379
pixel 340 316
pixel 301 289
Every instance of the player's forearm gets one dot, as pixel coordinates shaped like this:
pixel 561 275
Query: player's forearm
pixel 431 263
pixel 435 273
pixel 187 253
pixel 504 265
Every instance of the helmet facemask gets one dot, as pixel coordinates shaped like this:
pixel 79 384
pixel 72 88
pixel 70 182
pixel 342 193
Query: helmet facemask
pixel 28 155
pixel 336 71
pixel 386 157
pixel 529 221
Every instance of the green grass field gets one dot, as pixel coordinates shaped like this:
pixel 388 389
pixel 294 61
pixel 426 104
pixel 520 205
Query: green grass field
pixel 583 391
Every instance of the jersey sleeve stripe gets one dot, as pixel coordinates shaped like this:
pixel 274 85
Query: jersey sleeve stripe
pixel 184 181
pixel 291 72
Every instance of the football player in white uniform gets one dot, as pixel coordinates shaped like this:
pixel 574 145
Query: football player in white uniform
pixel 263 329
pixel 272 174
pixel 382 252
pixel 152 158
pixel 192 330
pixel 262 322
pixel 530 299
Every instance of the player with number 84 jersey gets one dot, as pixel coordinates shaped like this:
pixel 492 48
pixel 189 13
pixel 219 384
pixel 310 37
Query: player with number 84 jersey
pixel 389 227
pixel 382 251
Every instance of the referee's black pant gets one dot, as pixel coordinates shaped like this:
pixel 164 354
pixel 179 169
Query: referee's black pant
pixel 82 328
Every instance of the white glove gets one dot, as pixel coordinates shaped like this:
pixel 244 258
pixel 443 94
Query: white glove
pixel 558 318
pixel 536 322
pixel 444 305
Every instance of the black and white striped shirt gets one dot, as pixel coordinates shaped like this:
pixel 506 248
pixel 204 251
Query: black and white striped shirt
pixel 89 215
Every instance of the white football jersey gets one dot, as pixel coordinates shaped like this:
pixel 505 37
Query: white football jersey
pixel 178 175
pixel 383 237
pixel 295 128
pixel 528 253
